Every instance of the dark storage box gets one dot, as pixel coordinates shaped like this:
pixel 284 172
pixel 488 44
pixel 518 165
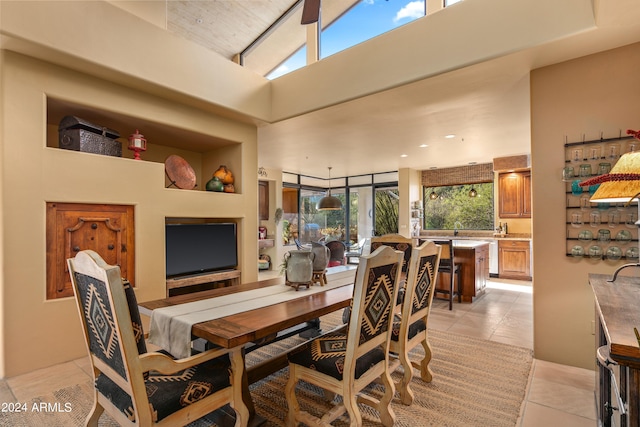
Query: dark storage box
pixel 80 135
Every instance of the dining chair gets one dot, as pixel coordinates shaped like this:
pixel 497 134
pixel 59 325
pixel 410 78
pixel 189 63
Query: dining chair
pixel 410 327
pixel 346 360
pixel 399 243
pixel 448 266
pixel 357 251
pixel 134 386
pixel 337 249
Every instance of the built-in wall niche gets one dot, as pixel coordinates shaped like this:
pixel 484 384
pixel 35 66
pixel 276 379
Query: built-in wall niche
pixel 204 153
pixel 201 254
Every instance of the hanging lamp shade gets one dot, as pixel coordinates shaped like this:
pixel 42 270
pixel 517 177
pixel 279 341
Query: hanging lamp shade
pixel 473 192
pixel 329 202
pixel 621 185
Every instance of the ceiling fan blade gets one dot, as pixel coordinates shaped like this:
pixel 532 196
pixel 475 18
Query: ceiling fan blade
pixel 310 11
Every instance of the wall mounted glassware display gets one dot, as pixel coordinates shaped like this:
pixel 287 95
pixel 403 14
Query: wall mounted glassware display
pixel 597 231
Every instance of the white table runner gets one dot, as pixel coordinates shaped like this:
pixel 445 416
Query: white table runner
pixel 170 327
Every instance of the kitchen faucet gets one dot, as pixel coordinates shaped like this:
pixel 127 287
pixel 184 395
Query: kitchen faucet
pixel 456 226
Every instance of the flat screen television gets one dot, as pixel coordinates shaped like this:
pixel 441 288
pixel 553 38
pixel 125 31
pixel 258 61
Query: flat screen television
pixel 200 248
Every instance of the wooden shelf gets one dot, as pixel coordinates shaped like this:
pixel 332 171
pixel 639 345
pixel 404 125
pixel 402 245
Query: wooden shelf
pixel 265 243
pixel 180 282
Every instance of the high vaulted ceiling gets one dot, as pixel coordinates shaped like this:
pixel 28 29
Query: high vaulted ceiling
pixel 231 26
pixel 486 104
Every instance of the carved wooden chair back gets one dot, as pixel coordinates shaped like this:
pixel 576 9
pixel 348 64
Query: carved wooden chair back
pixel 134 386
pixel 410 327
pixel 397 242
pixel 348 359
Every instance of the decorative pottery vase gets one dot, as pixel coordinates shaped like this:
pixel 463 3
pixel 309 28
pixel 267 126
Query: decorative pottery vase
pixel 322 254
pixel 214 184
pixel 299 267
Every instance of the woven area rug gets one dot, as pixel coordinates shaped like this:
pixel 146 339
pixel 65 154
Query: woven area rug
pixel 475 383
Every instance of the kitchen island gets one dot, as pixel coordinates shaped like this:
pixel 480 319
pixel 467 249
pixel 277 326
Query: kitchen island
pixel 473 258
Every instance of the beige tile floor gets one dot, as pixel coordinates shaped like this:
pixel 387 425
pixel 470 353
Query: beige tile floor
pixel 557 395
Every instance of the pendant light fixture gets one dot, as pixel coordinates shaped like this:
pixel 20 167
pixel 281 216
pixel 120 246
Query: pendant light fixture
pixel 433 195
pixel 329 202
pixel 473 192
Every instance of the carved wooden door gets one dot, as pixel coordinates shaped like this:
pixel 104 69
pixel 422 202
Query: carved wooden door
pixel 71 228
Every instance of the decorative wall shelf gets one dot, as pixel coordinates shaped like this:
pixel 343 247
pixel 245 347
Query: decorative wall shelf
pixel 598 231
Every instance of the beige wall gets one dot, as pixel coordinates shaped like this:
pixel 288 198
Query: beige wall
pixel 98 38
pixel 419 50
pixel 38 333
pixel 410 190
pixel 587 97
pixel 127 75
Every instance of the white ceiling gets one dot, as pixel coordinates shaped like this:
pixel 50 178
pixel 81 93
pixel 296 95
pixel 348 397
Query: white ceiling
pixel 485 105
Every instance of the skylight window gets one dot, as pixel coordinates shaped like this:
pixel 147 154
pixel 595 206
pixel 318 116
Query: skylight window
pixel 364 20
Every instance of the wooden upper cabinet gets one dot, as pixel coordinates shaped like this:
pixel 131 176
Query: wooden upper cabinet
pixel 514 194
pixel 526 195
pixel 263 197
pixel 290 200
pixel 73 227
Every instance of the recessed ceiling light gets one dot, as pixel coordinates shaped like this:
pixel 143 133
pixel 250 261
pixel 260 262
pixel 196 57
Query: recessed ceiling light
pixel 403 155
pixel 423 145
pixel 450 136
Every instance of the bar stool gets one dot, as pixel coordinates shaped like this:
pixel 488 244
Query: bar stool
pixel 448 266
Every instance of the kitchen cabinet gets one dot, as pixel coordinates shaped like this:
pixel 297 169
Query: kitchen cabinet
pixel 74 227
pixel 526 195
pixel 482 269
pixel 263 200
pixel 514 194
pixel 514 259
pixel 290 200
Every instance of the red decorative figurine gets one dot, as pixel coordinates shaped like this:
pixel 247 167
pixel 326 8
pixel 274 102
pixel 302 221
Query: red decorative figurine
pixel 137 143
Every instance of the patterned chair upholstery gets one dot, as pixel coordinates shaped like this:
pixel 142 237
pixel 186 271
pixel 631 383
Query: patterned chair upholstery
pixel 397 242
pixel 410 327
pixel 134 386
pixel 348 359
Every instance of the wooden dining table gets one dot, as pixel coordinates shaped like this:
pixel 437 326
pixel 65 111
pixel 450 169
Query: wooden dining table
pixel 245 328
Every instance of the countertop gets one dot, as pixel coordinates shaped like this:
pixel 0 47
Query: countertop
pixel 617 305
pixel 468 244
pixel 475 236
